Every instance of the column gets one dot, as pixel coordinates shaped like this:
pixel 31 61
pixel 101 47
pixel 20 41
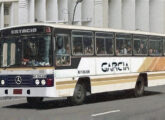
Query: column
pixel 142 15
pixel 157 16
pixel 87 14
pixel 51 10
pixel 31 12
pixel 2 15
pixel 23 11
pixel 14 13
pixel 63 11
pixel 40 10
pixel 128 14
pixel 101 13
pixel 115 14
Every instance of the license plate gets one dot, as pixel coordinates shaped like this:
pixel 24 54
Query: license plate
pixel 17 91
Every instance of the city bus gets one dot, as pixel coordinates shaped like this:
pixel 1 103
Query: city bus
pixel 54 60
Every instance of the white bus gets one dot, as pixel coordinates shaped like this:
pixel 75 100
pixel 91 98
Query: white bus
pixel 50 60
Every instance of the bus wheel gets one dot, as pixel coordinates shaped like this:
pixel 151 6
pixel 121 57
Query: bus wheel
pixel 139 88
pixel 34 100
pixel 79 95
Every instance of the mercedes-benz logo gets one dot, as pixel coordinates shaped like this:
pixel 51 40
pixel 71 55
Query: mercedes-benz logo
pixel 18 80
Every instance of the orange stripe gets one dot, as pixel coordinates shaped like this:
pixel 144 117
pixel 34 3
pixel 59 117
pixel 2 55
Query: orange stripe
pixel 108 81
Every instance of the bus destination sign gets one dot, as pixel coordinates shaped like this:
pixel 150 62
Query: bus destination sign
pixel 24 31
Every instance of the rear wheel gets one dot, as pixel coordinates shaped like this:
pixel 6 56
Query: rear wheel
pixel 34 100
pixel 79 95
pixel 139 88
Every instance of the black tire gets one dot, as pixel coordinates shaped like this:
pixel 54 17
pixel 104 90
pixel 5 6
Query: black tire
pixel 34 100
pixel 79 95
pixel 139 88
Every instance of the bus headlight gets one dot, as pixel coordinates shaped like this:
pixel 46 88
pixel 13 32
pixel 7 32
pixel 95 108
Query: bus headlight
pixel 37 82
pixel 43 82
pixel 2 82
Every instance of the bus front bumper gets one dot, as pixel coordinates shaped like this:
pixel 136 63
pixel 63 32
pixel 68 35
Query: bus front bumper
pixel 28 92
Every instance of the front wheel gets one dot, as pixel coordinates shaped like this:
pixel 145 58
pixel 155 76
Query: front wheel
pixel 139 88
pixel 34 100
pixel 79 95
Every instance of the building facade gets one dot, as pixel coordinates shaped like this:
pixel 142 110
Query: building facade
pixel 142 15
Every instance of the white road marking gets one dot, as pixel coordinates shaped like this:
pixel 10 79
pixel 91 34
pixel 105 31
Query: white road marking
pixel 103 113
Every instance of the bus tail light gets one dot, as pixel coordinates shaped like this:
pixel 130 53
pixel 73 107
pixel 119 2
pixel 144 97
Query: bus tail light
pixel 49 82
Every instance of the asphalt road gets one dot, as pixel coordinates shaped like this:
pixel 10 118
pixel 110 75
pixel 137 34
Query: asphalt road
pixel 109 106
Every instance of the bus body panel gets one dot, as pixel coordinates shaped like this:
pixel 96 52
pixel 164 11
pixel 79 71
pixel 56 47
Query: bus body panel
pixel 112 78
pixel 106 73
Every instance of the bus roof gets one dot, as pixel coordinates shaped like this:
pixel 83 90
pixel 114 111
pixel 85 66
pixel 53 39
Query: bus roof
pixel 78 27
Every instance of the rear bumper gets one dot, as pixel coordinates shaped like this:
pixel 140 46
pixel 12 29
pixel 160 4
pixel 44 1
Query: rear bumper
pixel 29 92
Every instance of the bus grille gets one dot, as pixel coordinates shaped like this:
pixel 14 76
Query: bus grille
pixel 26 81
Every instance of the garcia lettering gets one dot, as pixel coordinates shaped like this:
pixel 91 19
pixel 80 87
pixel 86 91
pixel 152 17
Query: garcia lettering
pixel 114 66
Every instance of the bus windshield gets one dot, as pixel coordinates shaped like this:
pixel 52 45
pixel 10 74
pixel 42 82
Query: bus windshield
pixel 25 51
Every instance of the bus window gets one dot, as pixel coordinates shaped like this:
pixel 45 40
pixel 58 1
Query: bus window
pixel 77 45
pixel 62 45
pixel 82 42
pixel 100 46
pixel 62 50
pixel 4 54
pixel 8 54
pixel 36 50
pixel 88 45
pixel 109 45
pixel 155 46
pixel 104 43
pixel 13 53
pixel 140 45
pixel 123 44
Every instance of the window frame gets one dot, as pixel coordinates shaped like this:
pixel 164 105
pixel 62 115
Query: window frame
pixel 105 37
pixel 82 36
pixel 155 38
pixel 63 36
pixel 122 36
pixel 135 37
pixel 55 50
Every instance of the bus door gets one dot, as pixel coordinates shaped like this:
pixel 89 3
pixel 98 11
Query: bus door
pixel 62 50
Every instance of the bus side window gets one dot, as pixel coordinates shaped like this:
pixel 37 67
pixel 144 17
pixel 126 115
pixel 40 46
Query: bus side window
pixel 155 46
pixel 62 50
pixel 104 43
pixel 82 42
pixel 109 45
pixel 77 45
pixel 123 44
pixel 88 45
pixel 140 45
pixel 100 46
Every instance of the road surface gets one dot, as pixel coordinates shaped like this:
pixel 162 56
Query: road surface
pixel 107 106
